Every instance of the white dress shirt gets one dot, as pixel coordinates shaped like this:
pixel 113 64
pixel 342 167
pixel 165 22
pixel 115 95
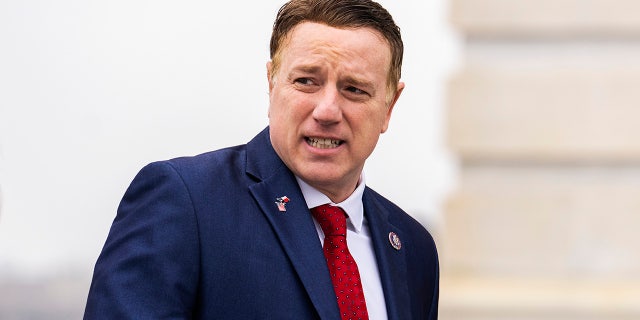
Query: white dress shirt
pixel 358 241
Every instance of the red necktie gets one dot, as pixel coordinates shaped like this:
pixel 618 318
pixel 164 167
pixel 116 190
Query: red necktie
pixel 342 267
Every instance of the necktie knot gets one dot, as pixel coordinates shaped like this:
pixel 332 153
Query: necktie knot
pixel 332 220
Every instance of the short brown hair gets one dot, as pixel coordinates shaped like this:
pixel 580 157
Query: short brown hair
pixel 340 14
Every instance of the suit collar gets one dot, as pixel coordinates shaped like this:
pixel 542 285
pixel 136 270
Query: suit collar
pixel 294 227
pixel 391 262
pixel 262 160
pixel 298 236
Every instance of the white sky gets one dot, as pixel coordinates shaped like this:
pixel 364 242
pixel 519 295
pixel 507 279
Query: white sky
pixel 90 91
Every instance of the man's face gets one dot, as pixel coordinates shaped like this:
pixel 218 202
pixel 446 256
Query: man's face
pixel 329 103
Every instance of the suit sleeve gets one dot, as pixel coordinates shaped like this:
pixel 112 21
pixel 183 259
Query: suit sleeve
pixel 149 266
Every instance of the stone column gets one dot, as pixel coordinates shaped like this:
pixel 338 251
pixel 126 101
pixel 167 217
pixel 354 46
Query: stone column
pixel 544 117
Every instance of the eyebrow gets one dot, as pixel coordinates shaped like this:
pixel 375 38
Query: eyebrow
pixel 307 69
pixel 365 84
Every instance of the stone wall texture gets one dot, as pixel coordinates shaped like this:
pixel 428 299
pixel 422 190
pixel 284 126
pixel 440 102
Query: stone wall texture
pixel 544 117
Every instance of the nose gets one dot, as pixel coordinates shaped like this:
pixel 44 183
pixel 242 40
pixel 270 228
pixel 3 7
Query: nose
pixel 328 110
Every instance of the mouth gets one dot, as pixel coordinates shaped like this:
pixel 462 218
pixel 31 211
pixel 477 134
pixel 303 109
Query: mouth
pixel 323 143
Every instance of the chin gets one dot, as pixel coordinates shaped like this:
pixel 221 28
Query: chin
pixel 321 177
pixel 324 179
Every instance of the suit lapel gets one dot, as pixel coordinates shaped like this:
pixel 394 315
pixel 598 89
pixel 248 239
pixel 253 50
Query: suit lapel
pixel 298 236
pixel 293 227
pixel 391 262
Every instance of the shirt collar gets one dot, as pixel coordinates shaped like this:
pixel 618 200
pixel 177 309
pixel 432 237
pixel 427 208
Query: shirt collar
pixel 352 205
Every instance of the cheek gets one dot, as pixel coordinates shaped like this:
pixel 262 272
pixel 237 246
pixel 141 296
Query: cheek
pixel 372 123
pixel 284 116
pixel 384 116
pixel 277 107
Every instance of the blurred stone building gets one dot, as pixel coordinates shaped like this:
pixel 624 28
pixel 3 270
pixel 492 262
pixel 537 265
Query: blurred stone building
pixel 544 116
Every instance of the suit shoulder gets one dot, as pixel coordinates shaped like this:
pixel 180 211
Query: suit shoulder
pixel 226 156
pixel 221 160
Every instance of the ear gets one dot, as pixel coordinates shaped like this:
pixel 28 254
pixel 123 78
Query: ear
pixel 269 75
pixel 396 95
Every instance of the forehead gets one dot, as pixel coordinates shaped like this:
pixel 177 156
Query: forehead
pixel 310 39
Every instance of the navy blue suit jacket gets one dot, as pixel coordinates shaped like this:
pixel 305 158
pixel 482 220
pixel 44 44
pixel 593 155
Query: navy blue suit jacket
pixel 202 238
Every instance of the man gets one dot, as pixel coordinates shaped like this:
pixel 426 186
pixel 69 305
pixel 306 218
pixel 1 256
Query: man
pixel 238 233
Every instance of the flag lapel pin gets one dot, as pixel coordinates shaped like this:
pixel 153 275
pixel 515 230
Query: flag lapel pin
pixel 281 202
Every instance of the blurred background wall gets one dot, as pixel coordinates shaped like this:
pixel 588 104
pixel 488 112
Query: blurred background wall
pixel 544 116
pixel 91 91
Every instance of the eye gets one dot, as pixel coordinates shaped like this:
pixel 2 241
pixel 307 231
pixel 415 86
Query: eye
pixel 304 81
pixel 356 91
pixel 307 85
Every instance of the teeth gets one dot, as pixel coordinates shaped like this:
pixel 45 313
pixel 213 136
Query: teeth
pixel 323 143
